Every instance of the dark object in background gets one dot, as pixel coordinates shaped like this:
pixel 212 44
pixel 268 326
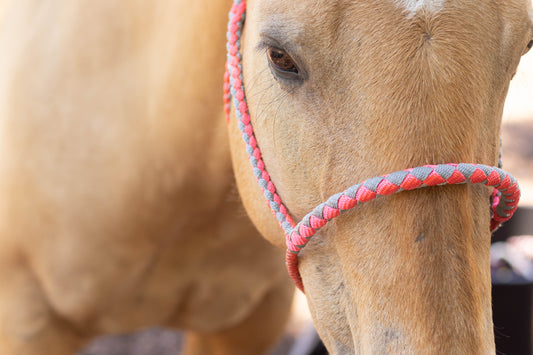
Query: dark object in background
pixel 512 302
pixel 511 307
pixel 320 349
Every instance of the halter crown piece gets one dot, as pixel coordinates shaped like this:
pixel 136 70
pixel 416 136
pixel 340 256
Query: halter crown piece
pixel 504 198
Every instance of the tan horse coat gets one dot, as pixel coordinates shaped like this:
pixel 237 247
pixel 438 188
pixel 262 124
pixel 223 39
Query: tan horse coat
pixel 118 208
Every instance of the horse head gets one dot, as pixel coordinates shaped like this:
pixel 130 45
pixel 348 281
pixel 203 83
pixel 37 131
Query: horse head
pixel 341 91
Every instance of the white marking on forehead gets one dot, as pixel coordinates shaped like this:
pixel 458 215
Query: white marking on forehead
pixel 413 6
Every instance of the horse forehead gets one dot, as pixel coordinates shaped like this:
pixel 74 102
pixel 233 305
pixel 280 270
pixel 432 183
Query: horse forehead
pixel 322 17
pixel 333 7
pixel 413 6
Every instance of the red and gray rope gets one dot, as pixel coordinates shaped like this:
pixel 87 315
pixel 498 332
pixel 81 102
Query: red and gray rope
pixel 504 199
pixel 234 88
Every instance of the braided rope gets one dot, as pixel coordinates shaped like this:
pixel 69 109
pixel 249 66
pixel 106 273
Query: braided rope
pixel 504 198
pixel 234 88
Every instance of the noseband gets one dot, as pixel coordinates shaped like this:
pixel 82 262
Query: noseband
pixel 504 198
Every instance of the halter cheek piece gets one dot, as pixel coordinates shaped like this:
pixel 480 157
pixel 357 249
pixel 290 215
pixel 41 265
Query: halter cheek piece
pixel 504 198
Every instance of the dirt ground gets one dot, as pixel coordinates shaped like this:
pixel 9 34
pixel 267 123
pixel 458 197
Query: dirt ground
pixel 299 339
pixel 156 341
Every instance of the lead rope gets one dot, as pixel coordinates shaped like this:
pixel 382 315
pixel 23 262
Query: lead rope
pixel 504 198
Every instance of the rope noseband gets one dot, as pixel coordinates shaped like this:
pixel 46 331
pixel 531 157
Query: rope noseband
pixel 504 198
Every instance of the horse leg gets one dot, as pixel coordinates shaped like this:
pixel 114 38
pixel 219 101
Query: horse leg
pixel 256 334
pixel 28 323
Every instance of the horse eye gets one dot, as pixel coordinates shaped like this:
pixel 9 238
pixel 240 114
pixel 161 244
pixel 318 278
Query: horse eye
pixel 282 63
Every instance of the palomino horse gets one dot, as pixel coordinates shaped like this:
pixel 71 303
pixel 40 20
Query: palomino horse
pixel 118 203
pixel 342 91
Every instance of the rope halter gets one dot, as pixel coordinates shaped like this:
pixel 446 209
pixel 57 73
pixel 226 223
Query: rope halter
pixel 505 196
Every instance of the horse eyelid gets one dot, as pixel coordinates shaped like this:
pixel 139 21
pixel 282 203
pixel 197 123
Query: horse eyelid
pixel 270 42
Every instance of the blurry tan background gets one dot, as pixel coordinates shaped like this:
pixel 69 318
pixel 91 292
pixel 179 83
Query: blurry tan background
pixel 518 129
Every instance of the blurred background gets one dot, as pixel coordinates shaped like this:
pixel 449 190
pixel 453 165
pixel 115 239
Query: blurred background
pixel 512 261
pixel 512 248
pixel 517 127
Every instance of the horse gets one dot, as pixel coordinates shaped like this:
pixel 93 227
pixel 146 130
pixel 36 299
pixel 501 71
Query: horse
pixel 119 176
pixel 343 91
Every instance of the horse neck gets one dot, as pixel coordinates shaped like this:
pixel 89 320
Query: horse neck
pixel 187 62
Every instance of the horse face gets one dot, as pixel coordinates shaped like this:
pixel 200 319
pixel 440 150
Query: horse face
pixel 340 91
